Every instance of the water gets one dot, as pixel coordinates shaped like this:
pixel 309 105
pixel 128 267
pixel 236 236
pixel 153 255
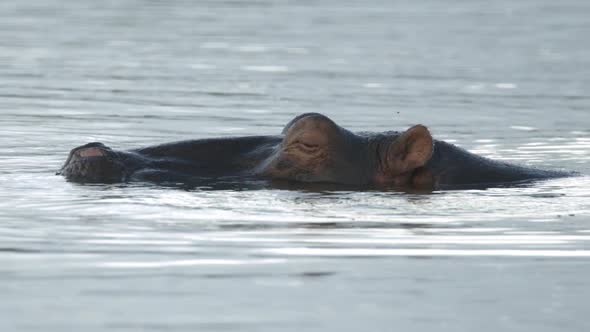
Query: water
pixel 505 79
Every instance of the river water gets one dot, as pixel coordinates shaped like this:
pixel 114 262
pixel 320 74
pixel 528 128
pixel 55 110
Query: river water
pixel 505 79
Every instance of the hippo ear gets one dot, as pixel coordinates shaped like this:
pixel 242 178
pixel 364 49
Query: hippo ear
pixel 410 150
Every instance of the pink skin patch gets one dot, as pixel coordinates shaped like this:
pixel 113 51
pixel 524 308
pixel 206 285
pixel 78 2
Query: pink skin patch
pixel 91 152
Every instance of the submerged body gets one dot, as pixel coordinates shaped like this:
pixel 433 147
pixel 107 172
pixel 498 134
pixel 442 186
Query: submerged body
pixel 311 149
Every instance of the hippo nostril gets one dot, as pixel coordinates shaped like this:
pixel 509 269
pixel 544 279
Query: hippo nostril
pixel 94 144
pixel 98 145
pixel 91 152
pixel 90 145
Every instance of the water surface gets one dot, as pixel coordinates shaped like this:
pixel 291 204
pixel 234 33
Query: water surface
pixel 508 80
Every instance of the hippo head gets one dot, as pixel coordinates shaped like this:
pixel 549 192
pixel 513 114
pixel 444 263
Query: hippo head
pixel 315 149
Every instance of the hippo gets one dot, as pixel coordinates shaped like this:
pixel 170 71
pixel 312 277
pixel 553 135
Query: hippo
pixel 310 149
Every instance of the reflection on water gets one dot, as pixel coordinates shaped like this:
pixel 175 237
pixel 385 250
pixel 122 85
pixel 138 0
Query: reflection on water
pixel 508 80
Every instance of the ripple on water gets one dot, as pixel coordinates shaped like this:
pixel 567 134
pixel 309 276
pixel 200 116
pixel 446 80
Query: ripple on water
pixel 266 69
pixel 365 252
pixel 188 262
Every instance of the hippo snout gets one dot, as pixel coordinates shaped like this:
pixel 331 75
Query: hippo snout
pixel 93 163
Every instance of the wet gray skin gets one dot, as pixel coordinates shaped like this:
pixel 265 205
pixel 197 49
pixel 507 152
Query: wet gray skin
pixel 311 149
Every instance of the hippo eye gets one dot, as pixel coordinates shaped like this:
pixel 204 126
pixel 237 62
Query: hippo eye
pixel 307 147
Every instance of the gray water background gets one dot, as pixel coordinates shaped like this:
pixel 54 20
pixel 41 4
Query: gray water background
pixel 506 79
